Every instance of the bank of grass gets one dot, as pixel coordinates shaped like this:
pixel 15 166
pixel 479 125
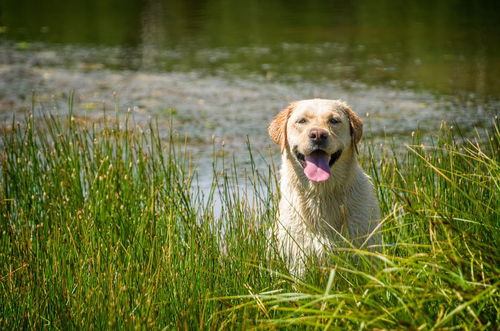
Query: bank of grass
pixel 101 226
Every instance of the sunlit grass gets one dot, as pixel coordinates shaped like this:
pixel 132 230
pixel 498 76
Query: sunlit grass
pixel 103 227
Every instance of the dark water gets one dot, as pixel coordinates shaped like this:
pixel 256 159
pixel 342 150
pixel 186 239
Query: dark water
pixel 443 46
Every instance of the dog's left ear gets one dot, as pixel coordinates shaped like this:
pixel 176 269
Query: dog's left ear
pixel 277 128
pixel 356 125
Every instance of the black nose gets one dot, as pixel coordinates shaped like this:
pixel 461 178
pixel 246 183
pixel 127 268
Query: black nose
pixel 318 135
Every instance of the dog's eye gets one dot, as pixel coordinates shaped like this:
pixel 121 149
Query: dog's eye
pixel 302 121
pixel 333 120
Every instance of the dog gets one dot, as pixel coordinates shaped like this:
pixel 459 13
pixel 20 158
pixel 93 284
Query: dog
pixel 326 200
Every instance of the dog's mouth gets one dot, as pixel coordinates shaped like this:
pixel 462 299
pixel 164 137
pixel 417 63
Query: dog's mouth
pixel 317 164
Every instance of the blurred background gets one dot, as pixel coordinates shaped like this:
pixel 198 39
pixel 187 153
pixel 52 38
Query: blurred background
pixel 221 69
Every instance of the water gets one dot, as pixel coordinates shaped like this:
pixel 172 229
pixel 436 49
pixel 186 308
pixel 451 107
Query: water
pixel 228 67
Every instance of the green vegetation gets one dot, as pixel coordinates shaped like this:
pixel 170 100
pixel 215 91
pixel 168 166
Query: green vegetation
pixel 101 227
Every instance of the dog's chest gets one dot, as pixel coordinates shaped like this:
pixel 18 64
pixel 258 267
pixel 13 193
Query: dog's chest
pixel 325 211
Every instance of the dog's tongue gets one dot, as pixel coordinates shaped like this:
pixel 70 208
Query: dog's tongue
pixel 317 168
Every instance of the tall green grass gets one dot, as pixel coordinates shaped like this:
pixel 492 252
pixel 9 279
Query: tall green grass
pixel 102 226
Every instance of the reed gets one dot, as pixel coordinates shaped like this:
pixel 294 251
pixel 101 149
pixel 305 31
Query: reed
pixel 103 226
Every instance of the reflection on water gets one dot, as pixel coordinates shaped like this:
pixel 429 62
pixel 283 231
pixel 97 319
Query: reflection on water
pixel 444 46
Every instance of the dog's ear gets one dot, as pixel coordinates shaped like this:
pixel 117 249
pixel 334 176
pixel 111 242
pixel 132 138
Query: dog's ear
pixel 277 128
pixel 356 126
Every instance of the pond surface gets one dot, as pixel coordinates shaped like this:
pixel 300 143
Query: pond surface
pixel 222 69
pixel 444 46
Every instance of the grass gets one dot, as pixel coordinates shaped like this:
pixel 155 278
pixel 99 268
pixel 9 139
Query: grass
pixel 102 227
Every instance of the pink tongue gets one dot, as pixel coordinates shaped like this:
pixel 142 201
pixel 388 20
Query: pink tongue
pixel 317 168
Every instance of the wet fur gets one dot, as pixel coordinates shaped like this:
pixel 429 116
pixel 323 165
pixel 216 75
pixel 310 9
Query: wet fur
pixel 316 217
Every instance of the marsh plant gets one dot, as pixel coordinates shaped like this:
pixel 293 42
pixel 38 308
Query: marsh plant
pixel 103 226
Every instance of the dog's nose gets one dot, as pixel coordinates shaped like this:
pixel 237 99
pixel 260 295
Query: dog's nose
pixel 318 135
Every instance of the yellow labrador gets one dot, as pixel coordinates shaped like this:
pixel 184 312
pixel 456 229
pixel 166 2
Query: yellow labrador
pixel 326 198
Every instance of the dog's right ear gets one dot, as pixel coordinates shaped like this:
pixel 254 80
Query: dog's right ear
pixel 277 128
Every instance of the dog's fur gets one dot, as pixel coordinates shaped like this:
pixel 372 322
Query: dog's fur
pixel 315 217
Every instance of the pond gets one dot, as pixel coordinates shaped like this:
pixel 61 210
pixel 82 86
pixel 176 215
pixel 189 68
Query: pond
pixel 221 70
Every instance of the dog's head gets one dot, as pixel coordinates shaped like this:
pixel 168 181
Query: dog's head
pixel 316 132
